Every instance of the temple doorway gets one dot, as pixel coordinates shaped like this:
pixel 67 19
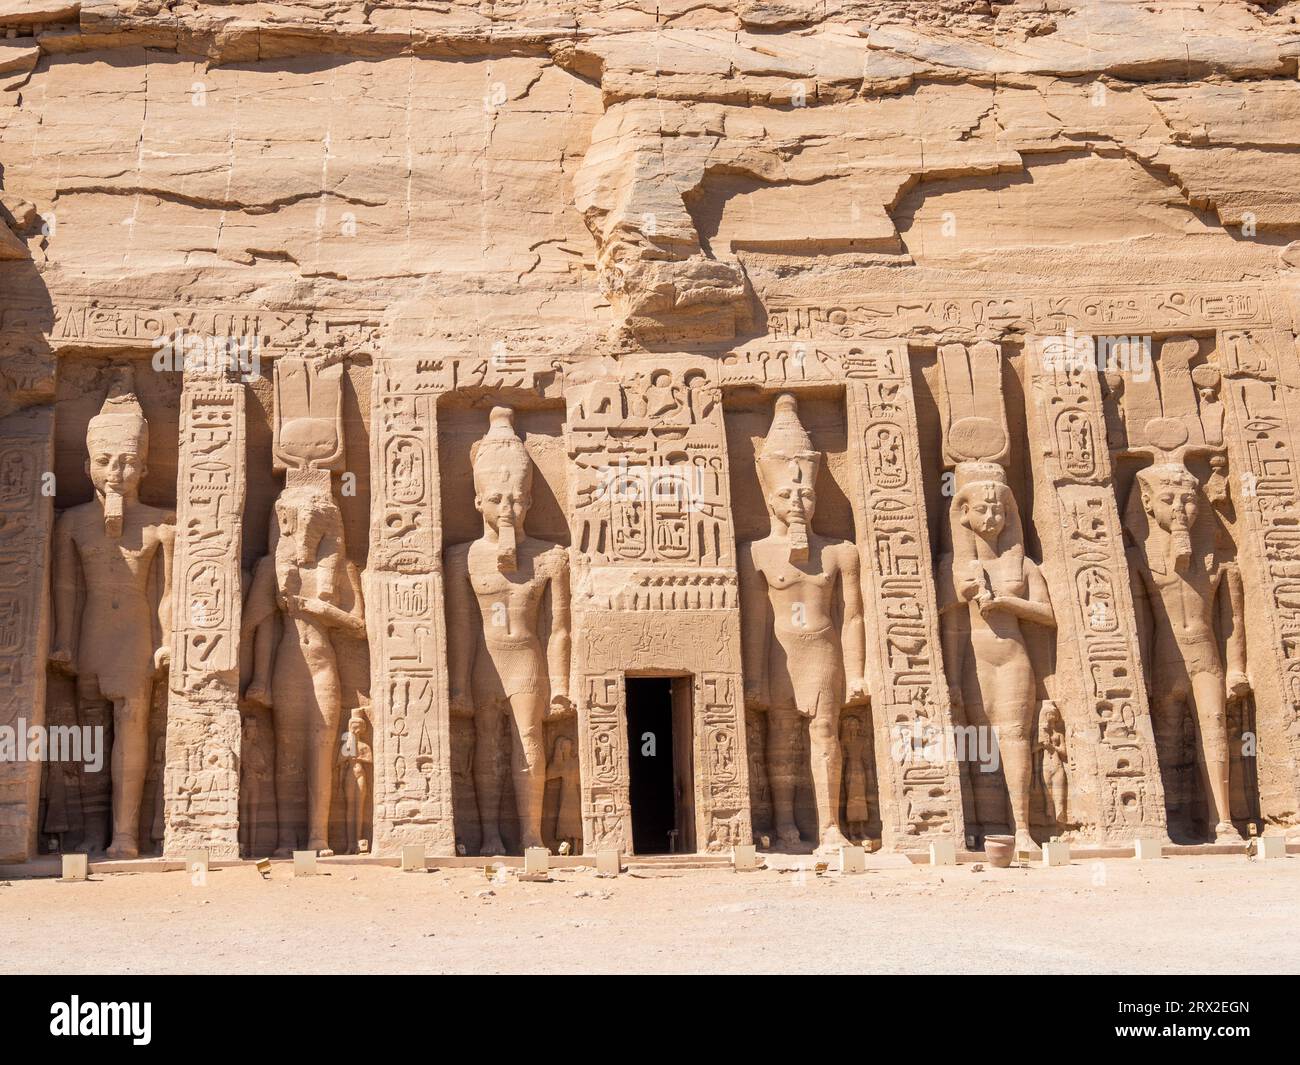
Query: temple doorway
pixel 661 773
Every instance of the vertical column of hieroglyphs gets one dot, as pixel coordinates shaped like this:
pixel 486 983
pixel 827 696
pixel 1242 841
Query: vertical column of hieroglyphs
pixel 1263 381
pixel 722 788
pixel 919 783
pixel 1084 559
pixel 409 698
pixel 607 518
pixel 603 763
pixel 655 585
pixel 26 453
pixel 201 781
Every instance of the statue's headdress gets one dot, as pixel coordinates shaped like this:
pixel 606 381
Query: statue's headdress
pixel 978 474
pixel 119 422
pixel 308 494
pixel 501 458
pixel 989 478
pixel 1151 477
pixel 1149 480
pixel 121 417
pixel 787 456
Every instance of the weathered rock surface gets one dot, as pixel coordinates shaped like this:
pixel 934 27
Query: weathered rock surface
pixel 664 162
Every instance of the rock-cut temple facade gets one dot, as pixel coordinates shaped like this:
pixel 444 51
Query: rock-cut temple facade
pixel 647 426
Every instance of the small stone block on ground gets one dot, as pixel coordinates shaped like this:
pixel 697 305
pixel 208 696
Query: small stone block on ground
pixel 1272 846
pixel 853 860
pixel 1056 853
pixel 943 852
pixel 537 861
pixel 1145 850
pixel 413 859
pixel 609 862
pixel 304 863
pixel 744 858
pixel 76 866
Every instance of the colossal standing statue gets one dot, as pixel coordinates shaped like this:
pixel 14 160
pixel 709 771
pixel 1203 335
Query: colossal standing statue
pixel 497 589
pixel 993 589
pixel 112 597
pixel 1182 587
pixel 307 589
pixel 305 593
pixel 797 665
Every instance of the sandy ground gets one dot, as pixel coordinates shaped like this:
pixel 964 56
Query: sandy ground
pixel 1206 914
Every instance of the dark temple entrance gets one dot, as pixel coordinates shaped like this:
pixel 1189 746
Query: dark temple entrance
pixel 659 756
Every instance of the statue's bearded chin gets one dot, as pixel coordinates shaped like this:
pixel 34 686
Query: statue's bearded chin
pixel 1180 547
pixel 113 510
pixel 798 531
pixel 507 544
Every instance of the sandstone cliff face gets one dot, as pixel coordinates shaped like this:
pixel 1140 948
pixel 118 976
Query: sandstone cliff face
pixel 544 197
pixel 561 173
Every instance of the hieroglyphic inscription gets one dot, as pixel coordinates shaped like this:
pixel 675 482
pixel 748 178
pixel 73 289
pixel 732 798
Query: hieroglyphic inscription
pixel 408 646
pixel 920 789
pixel 603 758
pixel 649 472
pixel 1260 397
pixel 203 723
pixel 94 322
pixel 1084 557
pixel 719 750
pixel 26 515
pixel 1100 311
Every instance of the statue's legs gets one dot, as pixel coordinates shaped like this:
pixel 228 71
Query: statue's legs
pixel 1210 705
pixel 487 777
pixel 130 764
pixel 827 774
pixel 1060 796
pixel 320 777
pixel 783 734
pixel 1017 767
pixel 324 739
pixel 290 746
pixel 1007 687
pixel 306 709
pixel 356 795
pixel 94 711
pixel 359 814
pixel 259 687
pixel 1167 710
pixel 528 763
pixel 352 814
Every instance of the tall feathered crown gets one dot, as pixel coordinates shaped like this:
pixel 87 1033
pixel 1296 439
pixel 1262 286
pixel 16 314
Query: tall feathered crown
pixel 120 418
pixel 787 452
